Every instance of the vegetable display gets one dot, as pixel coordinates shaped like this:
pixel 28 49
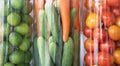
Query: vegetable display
pixel 16 33
pixel 58 41
pixel 101 28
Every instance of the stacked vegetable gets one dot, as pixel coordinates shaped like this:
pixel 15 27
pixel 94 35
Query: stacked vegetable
pixel 17 32
pixel 102 30
pixel 58 32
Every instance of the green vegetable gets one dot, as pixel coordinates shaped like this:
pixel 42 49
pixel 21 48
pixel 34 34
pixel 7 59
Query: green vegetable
pixel 76 37
pixel 27 8
pixel 68 53
pixel 6 29
pixel 13 19
pixel 15 39
pixel 17 57
pixel 23 29
pixel 43 23
pixel 41 50
pixel 52 50
pixel 53 21
pixel 9 64
pixel 50 39
pixel 17 4
pixel 25 44
pixel 36 54
pixel 1 54
pixel 28 57
pixel 27 19
pixel 72 17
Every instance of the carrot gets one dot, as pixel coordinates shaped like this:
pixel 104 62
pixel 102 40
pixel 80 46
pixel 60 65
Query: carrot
pixel 39 4
pixel 65 15
pixel 76 4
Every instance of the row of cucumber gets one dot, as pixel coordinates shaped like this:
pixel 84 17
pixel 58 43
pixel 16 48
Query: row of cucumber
pixel 16 41
pixel 53 51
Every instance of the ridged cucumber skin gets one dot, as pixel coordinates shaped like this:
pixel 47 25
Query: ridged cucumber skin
pixel 41 49
pixel 68 53
pixel 76 41
pixel 52 21
pixel 43 23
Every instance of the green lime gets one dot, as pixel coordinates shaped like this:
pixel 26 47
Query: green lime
pixel 9 64
pixel 17 57
pixel 26 64
pixel 6 29
pixel 27 8
pixel 17 4
pixel 27 19
pixel 15 39
pixel 25 44
pixel 28 57
pixel 6 10
pixel 13 19
pixel 23 29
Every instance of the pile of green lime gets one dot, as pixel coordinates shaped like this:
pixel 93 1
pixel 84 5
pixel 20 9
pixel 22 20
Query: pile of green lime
pixel 17 33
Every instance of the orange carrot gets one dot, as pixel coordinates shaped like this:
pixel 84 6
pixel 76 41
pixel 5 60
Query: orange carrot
pixel 65 15
pixel 76 4
pixel 39 4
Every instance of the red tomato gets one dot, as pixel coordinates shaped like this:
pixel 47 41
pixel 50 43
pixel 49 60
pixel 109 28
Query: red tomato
pixel 105 59
pixel 116 55
pixel 89 45
pixel 117 21
pixel 116 11
pixel 108 46
pixel 113 3
pixel 100 35
pixel 89 59
pixel 114 32
pixel 88 32
pixel 108 18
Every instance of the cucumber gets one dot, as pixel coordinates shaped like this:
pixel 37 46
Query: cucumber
pixel 68 53
pixel 76 41
pixel 53 21
pixel 43 23
pixel 36 54
pixel 41 49
pixel 1 54
pixel 72 18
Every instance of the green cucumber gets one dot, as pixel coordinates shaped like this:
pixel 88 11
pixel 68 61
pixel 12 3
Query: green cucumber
pixel 76 41
pixel 41 49
pixel 52 21
pixel 43 23
pixel 36 54
pixel 72 18
pixel 68 53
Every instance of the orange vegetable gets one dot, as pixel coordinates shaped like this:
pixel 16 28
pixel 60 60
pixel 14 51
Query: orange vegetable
pixel 65 15
pixel 76 4
pixel 39 4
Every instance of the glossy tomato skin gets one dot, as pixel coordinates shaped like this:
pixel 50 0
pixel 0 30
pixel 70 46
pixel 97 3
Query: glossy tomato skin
pixel 108 18
pixel 89 59
pixel 108 46
pixel 113 3
pixel 92 20
pixel 89 45
pixel 105 59
pixel 116 55
pixel 88 32
pixel 100 35
pixel 114 32
pixel 116 11
pixel 117 21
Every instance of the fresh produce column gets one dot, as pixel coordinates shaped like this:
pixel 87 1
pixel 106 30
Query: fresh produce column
pixel 58 32
pixel 102 31
pixel 17 32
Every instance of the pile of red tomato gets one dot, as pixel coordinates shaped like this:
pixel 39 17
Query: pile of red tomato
pixel 102 29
